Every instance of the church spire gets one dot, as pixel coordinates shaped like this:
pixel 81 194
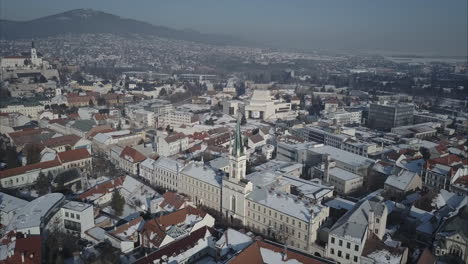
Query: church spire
pixel 238 146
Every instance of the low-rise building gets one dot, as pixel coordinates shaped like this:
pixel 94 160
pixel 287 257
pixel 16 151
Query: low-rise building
pixel 399 185
pixel 285 217
pixel 345 182
pixel 77 217
pixel 172 144
pixel 347 237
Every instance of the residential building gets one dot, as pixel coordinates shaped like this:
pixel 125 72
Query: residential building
pixel 77 217
pixel 177 119
pixel 172 144
pixel 31 110
pixel 397 186
pixel 349 234
pixel 127 158
pixel 452 236
pixel 345 182
pixel 285 217
pixel 163 172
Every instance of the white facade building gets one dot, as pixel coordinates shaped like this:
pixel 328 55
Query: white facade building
pixel 77 217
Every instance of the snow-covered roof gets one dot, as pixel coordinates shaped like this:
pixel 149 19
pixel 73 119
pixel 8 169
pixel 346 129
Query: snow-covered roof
pixel 219 163
pixel 340 203
pixel 285 203
pixel 343 174
pixel 233 239
pixel 10 203
pixel 352 226
pixel 343 156
pixel 32 214
pixel 203 173
pixel 402 180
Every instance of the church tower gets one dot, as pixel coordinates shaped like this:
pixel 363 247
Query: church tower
pixel 237 157
pixel 33 54
pixel 235 186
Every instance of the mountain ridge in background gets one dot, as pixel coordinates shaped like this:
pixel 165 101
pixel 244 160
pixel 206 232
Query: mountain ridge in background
pixel 82 21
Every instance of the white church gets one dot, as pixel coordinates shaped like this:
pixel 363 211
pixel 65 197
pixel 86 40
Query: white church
pixel 26 60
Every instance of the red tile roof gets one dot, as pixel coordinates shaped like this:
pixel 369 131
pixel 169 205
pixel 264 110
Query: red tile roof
pixel 67 140
pixel 30 167
pixel 27 247
pixel 178 246
pixel 427 257
pixel 103 188
pixel 173 199
pixel 448 160
pixel 73 155
pixel 252 254
pixel 122 230
pixel 174 137
pixel 132 155
pixel 159 225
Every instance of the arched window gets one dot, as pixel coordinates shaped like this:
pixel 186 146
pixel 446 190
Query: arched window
pixel 455 250
pixel 233 203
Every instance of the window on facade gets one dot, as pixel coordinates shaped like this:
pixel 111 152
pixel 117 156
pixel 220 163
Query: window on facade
pixel 348 245
pixel 339 253
pixel 355 258
pixel 78 216
pixel 340 242
pixel 332 251
pixel 347 256
pixel 377 220
pixel 233 203
pixel 356 248
pixel 66 214
pixel 332 240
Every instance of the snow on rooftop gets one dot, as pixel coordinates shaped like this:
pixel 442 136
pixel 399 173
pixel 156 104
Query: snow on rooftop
pixel 31 214
pixel 10 203
pixel 203 173
pixel 285 203
pixel 385 257
pixel 233 239
pixel 269 256
pixel 343 175
pixel 76 206
pixel 340 203
pixel 343 156
pixel 401 181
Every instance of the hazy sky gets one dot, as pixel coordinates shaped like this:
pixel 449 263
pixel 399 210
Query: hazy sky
pixel 423 26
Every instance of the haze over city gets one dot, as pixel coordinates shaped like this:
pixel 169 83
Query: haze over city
pixel 422 27
pixel 233 132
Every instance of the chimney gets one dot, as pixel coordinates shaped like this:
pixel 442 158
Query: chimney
pixel 326 171
pixel 371 222
pixel 284 254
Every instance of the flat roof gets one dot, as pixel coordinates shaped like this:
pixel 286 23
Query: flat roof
pixel 343 156
pixel 343 174
pixel 32 214
pixel 76 206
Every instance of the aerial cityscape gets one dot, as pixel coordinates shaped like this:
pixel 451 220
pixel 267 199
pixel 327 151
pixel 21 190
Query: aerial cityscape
pixel 220 134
